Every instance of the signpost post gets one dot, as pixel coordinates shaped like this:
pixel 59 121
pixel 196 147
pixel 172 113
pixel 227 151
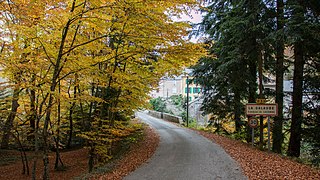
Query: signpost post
pixel 261 109
pixel 269 133
pixel 253 123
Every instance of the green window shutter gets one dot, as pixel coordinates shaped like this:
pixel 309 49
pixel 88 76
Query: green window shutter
pixel 189 81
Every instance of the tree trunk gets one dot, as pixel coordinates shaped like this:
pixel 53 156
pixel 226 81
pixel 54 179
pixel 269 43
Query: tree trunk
pixel 299 61
pixel 91 157
pixel 36 152
pixel 23 155
pixel 278 123
pixel 45 138
pixel 295 130
pixel 9 122
pixel 260 62
pixel 54 82
pixel 252 94
pixel 58 157
pixel 70 127
pixel 70 117
pixel 36 138
pixel 253 57
pixel 33 115
pixel 92 106
pixel 237 113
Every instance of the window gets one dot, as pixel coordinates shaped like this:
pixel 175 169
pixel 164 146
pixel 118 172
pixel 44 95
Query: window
pixel 196 90
pixel 189 80
pixel 190 90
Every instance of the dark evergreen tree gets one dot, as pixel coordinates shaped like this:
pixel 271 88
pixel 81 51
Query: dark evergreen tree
pixel 238 30
pixel 279 46
pixel 244 33
pixel 303 31
pixel 224 90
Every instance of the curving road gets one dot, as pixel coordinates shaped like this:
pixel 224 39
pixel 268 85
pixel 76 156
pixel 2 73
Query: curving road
pixel 183 154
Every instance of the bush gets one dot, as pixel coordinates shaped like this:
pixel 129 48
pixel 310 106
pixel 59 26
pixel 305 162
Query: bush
pixel 158 104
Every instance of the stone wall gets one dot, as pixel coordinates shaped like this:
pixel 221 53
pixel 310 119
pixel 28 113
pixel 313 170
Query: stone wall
pixel 166 116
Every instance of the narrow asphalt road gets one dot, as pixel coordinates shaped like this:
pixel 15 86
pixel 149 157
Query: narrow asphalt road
pixel 183 154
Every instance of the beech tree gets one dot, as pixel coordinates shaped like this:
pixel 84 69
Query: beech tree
pixel 111 53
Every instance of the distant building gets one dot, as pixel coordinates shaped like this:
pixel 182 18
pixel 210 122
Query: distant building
pixel 177 85
pixel 168 87
pixel 194 89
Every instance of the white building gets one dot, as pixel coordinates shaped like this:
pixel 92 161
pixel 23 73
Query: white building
pixel 177 85
pixel 167 87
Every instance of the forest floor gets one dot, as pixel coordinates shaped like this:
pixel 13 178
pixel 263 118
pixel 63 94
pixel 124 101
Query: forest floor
pixel 255 164
pixel 76 162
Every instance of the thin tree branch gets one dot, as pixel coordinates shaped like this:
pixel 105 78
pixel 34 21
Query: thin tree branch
pixel 45 51
pixel 84 43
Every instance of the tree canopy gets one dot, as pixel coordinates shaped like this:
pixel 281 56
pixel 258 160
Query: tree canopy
pixel 252 42
pixel 86 64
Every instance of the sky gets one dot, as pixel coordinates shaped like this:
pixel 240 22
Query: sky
pixel 196 17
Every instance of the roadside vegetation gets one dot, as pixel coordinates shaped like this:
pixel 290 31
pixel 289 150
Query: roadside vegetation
pixel 127 154
pixel 73 73
pixel 257 42
pixel 175 105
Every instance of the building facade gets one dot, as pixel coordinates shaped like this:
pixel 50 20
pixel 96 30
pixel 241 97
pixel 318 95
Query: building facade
pixel 177 85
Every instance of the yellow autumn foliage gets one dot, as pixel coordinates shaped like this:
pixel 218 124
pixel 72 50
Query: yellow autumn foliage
pixel 66 56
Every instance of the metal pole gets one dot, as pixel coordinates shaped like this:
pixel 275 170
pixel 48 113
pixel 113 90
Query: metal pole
pixel 269 133
pixel 252 136
pixel 187 101
pixel 163 88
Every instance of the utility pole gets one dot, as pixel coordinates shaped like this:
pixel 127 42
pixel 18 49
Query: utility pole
pixel 187 101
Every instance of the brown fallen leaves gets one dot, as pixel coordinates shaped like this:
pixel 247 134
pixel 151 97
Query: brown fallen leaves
pixel 258 164
pixel 255 164
pixel 138 155
pixel 77 162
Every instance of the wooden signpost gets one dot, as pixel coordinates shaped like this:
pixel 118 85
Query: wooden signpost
pixel 253 123
pixel 260 109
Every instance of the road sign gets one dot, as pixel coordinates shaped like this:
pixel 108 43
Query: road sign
pixel 261 101
pixel 253 122
pixel 262 109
